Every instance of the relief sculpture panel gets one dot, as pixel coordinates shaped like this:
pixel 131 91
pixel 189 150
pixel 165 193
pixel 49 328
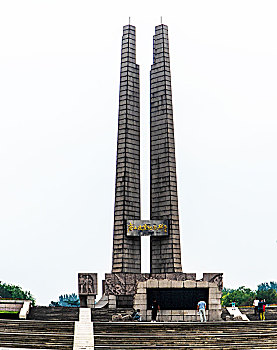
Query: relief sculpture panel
pixel 87 283
pixel 215 278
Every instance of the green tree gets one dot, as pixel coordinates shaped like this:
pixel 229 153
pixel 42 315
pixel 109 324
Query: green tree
pixel 270 295
pixel 67 300
pixel 15 292
pixel 4 293
pixel 267 286
pixel 242 296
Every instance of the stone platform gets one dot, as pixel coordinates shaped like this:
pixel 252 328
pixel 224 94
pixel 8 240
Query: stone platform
pixel 126 290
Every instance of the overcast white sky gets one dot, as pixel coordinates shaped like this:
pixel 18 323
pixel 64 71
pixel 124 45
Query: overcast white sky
pixel 59 85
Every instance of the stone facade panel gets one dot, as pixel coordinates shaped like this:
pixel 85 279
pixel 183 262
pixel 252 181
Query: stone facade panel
pixel 165 284
pixel 202 284
pixel 189 284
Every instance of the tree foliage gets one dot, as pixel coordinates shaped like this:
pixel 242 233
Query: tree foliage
pixel 10 291
pixel 241 296
pixel 4 293
pixel 267 286
pixel 269 295
pixel 67 300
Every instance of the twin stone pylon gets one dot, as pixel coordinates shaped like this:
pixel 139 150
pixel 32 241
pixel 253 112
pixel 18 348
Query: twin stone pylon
pixel 165 251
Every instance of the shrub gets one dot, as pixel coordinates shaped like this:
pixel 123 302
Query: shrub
pixel 10 291
pixel 67 300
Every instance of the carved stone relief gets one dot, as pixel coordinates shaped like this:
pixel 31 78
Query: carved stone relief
pixel 87 283
pixel 215 278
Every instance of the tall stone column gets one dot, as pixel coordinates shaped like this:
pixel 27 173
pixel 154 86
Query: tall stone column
pixel 126 250
pixel 166 251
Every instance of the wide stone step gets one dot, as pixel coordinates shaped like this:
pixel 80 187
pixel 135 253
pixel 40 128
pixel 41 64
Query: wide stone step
pixel 221 335
pixel 56 313
pixel 36 334
pixel 222 327
pixel 226 347
pixel 36 326
pixel 146 339
pixel 41 342
pixel 249 344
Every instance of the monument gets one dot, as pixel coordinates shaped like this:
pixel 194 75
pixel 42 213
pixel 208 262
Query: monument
pixel 165 252
pixel 176 292
pixel 126 249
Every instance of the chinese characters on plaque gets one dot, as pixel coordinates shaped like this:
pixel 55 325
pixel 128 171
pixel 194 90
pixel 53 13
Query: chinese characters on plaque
pixel 147 227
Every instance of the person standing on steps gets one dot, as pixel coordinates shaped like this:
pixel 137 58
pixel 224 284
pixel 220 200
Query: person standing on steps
pixel 261 309
pixel 155 307
pixel 255 304
pixel 201 308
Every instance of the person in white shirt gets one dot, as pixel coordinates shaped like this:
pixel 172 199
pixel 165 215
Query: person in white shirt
pixel 255 304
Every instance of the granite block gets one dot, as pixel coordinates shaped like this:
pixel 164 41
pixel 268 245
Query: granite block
pixel 165 284
pixel 152 283
pixel 177 284
pixel 190 312
pixel 165 318
pixel 189 284
pixel 177 318
pixel 141 291
pixel 165 312
pixel 202 284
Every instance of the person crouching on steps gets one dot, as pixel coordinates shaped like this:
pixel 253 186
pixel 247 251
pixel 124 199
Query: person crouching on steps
pixel 201 308
pixel 136 315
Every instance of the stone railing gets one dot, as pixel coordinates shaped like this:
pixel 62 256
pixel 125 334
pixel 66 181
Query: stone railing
pixel 20 307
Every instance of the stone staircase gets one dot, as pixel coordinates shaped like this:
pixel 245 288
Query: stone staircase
pixel 83 333
pixel 216 335
pixel 59 335
pixel 36 334
pixel 57 313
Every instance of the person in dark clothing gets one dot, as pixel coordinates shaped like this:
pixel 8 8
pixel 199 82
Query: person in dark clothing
pixel 261 309
pixel 155 307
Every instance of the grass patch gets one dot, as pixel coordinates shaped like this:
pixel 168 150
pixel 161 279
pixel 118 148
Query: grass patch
pixel 8 312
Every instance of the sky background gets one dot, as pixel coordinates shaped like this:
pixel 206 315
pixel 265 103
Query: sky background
pixel 59 87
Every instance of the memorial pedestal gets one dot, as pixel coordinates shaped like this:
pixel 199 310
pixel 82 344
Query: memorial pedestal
pixel 177 294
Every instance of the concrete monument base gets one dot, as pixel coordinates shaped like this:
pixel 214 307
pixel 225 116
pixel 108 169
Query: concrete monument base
pixel 127 290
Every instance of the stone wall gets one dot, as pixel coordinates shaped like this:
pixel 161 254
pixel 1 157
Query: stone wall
pixel 176 316
pixel 214 305
pixel 133 287
pixel 126 283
